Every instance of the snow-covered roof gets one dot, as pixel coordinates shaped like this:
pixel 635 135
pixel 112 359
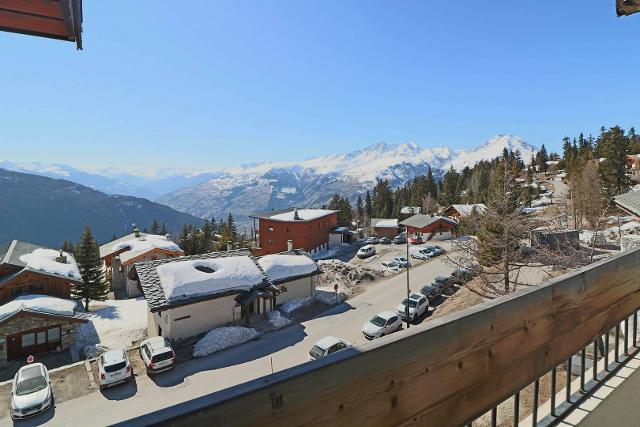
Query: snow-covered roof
pixel 48 261
pixel 384 222
pixel 281 267
pixel 629 201
pixel 410 210
pixel 421 221
pixel 552 162
pixel 39 304
pixel 198 277
pixel 138 246
pixel 294 214
pixel 465 210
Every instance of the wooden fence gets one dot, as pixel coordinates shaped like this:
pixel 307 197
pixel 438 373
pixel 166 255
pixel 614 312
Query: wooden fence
pixel 445 372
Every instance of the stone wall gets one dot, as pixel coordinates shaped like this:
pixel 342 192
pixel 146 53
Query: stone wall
pixel 23 323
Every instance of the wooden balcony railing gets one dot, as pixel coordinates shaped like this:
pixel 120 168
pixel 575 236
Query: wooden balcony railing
pixel 447 372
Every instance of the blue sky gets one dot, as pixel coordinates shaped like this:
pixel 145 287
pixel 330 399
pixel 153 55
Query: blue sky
pixel 219 83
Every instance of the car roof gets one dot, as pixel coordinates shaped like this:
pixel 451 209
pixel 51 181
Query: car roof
pixel 157 344
pixel 440 278
pixel 327 342
pixel 33 370
pixel 386 314
pixel 367 247
pixel 113 356
pixel 416 296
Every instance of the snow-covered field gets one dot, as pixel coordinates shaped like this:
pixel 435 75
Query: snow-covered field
pixel 116 324
pixel 221 338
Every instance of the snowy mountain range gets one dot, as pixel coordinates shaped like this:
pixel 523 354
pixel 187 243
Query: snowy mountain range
pixel 272 185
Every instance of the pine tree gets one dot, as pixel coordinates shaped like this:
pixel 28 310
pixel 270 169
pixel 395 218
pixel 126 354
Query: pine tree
pixel 614 147
pixel 184 240
pixel 359 210
pixel 155 227
pixel 343 207
pixel 206 238
pixel 68 247
pixel 368 205
pixel 164 231
pixel 93 286
pixel 114 237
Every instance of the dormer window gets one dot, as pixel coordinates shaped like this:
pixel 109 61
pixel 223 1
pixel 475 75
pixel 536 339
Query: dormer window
pixel 204 269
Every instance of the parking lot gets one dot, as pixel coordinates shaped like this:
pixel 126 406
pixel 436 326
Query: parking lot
pixel 385 253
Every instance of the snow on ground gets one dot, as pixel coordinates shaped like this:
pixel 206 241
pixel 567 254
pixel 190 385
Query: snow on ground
pixel 295 303
pixel 208 276
pixel 116 324
pixel 322 296
pixel 43 259
pixel 41 303
pixel 542 201
pixel 333 252
pixel 280 267
pixel 221 338
pixel 277 319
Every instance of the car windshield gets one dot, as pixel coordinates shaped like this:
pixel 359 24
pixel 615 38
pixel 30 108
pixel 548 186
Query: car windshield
pixel 30 385
pixel 412 303
pixel 427 289
pixel 378 321
pixel 115 367
pixel 316 352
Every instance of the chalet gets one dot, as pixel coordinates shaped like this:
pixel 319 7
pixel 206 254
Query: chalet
pixel 430 227
pixel 630 202
pixel 308 229
pixel 633 166
pixel 384 227
pixel 36 324
pixel 460 211
pixel 189 295
pixel 26 268
pixel 120 256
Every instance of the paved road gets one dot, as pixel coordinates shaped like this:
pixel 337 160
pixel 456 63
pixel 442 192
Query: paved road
pixel 285 348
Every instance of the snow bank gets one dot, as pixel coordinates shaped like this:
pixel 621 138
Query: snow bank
pixel 144 243
pixel 280 267
pixel 118 324
pixel 277 319
pixel 295 303
pixel 40 303
pixel 303 214
pixel 44 260
pixel 221 338
pixel 387 223
pixel 181 279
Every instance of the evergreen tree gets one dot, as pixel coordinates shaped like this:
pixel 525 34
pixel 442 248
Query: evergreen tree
pixel 343 207
pixel 93 286
pixel 614 147
pixel 68 247
pixel 431 184
pixel 114 237
pixel 542 158
pixel 155 227
pixel 184 240
pixel 206 243
pixel 359 210
pixel 164 231
pixel 368 205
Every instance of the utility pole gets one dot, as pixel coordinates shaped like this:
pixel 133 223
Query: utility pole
pixel 406 307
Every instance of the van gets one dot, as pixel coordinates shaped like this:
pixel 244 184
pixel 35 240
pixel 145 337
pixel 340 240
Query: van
pixel 366 251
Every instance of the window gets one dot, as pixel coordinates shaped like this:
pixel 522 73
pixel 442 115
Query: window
pixel 270 228
pixel 53 335
pixel 28 340
pixel 41 337
pixel 270 242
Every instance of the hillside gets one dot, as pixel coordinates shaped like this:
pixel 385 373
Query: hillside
pixel 312 182
pixel 48 211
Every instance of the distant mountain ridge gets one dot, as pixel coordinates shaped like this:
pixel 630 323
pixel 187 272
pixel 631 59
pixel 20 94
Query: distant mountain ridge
pixel 49 211
pixel 312 182
pixel 273 185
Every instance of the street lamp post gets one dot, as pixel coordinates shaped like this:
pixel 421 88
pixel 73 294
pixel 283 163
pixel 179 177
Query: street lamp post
pixel 406 307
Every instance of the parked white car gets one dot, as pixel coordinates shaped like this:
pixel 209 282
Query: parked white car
pixel 401 262
pixel 366 251
pixel 390 266
pixel 114 368
pixel 382 324
pixel 31 392
pixel 157 354
pixel 326 346
pixel 418 305
pixel 422 253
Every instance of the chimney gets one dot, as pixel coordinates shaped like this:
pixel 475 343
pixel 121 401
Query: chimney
pixel 136 231
pixel 289 245
pixel 229 246
pixel 296 217
pixel 62 258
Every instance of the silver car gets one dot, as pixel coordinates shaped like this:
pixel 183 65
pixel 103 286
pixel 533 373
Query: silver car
pixel 31 392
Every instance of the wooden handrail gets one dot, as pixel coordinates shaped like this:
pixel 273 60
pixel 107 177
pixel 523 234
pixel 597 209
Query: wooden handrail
pixel 447 372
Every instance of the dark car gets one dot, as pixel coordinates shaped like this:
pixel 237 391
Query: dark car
pixel 439 250
pixel 385 240
pixel 446 285
pixel 431 292
pixel 460 276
